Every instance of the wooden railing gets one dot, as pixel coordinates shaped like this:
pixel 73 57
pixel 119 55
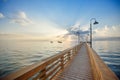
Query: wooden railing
pixel 46 69
pixel 95 68
pixel 100 70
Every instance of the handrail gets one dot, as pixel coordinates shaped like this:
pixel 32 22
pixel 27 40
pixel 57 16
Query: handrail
pixel 46 69
pixel 100 70
pixel 95 68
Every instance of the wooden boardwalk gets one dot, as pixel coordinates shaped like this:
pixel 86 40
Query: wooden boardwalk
pixel 87 65
pixel 77 63
pixel 79 69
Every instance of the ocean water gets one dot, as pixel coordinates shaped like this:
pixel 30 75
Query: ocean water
pixel 109 51
pixel 15 54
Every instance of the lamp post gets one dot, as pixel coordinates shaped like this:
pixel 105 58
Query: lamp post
pixel 95 22
pixel 79 35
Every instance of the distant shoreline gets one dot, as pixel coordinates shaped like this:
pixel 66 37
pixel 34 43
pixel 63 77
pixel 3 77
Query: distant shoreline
pixel 107 39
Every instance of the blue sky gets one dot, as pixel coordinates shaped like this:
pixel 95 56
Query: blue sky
pixel 53 17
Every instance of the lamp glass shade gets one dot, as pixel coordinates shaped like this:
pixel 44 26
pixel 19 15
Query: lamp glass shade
pixel 95 22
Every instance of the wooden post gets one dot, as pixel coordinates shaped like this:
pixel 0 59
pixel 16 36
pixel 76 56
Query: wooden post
pixel 69 55
pixel 74 51
pixel 44 74
pixel 62 62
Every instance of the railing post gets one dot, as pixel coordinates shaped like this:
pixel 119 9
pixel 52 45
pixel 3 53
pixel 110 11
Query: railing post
pixel 76 49
pixel 44 74
pixel 69 55
pixel 62 62
pixel 72 52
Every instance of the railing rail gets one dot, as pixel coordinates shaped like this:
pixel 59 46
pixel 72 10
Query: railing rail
pixel 100 70
pixel 46 69
pixel 95 68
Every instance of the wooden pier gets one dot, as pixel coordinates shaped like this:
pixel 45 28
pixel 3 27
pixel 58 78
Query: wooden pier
pixel 77 63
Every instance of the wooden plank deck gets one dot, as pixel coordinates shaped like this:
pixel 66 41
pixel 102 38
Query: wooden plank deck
pixel 79 69
pixel 87 65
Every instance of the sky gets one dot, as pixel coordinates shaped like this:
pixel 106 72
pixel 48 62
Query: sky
pixel 45 18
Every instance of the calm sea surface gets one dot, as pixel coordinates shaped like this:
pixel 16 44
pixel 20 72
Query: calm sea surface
pixel 15 54
pixel 109 51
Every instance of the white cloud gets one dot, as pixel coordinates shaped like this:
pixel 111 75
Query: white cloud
pixel 40 27
pixel 46 27
pixel 107 31
pixel 78 29
pixel 1 15
pixel 22 19
pixel 100 32
pixel 78 25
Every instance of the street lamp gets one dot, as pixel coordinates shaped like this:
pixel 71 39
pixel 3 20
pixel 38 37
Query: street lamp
pixel 95 22
pixel 79 35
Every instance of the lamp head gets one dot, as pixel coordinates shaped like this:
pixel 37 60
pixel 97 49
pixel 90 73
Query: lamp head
pixel 96 22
